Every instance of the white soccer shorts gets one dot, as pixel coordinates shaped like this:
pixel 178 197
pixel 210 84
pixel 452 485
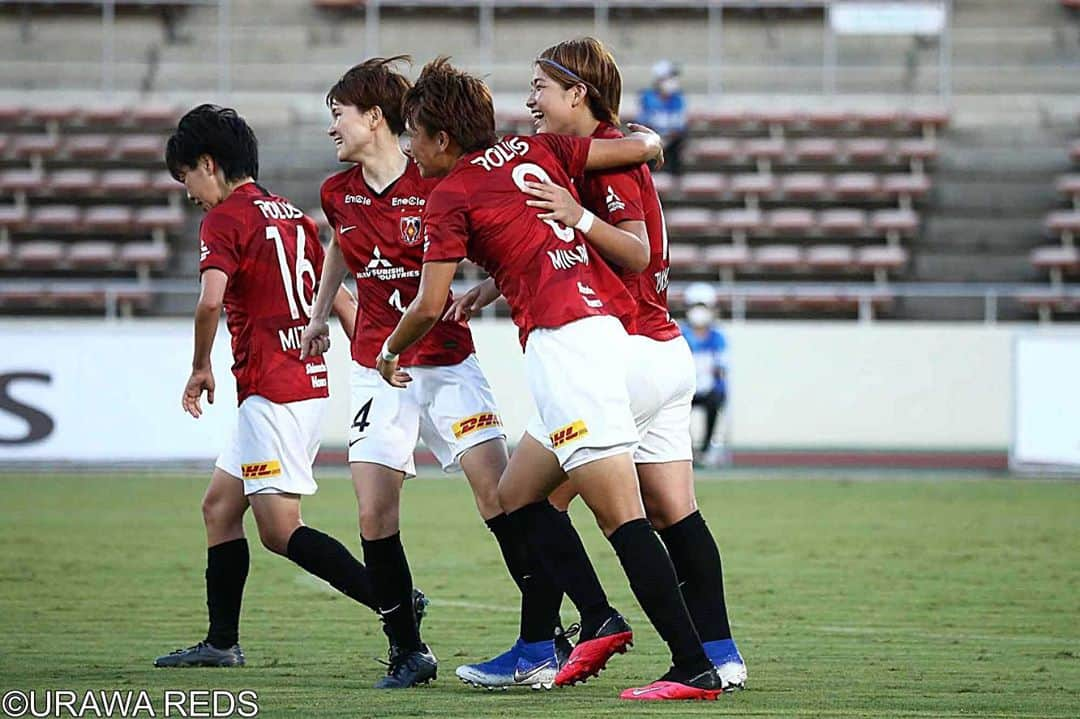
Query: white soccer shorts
pixel 660 380
pixel 577 376
pixel 274 445
pixel 451 408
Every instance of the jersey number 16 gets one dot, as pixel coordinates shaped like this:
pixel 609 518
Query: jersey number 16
pixel 303 267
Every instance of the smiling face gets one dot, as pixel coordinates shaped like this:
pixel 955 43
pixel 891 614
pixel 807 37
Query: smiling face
pixel 429 152
pixel 351 130
pixel 553 107
pixel 205 183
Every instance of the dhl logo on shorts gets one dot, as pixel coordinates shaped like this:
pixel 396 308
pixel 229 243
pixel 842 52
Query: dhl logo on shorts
pixel 570 433
pixel 260 470
pixel 477 421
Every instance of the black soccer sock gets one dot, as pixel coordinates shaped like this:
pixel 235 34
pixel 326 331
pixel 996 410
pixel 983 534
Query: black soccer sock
pixel 328 559
pixel 697 564
pixel 557 545
pixel 652 579
pixel 540 598
pixel 393 586
pixel 226 572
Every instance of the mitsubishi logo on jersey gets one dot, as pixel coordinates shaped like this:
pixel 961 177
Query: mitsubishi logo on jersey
pixel 613 201
pixel 565 259
pixel 383 269
pixel 377 260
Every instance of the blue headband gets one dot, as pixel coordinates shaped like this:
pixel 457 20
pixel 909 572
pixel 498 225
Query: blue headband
pixel 567 70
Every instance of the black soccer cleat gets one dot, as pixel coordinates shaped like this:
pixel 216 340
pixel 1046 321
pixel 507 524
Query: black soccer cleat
pixel 410 669
pixel 203 654
pixel 420 604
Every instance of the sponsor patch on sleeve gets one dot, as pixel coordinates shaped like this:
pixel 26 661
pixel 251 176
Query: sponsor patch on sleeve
pixel 260 470
pixel 476 422
pixel 570 433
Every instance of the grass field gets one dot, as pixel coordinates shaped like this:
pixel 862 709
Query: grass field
pixel 904 597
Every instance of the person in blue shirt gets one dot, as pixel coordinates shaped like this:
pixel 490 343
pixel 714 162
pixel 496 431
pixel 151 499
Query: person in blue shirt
pixel 707 344
pixel 663 108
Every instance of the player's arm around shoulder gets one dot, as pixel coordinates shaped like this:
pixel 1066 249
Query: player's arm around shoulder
pixel 641 145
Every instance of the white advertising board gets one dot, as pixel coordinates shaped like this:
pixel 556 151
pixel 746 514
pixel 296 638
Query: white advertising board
pixel 888 18
pixel 1046 402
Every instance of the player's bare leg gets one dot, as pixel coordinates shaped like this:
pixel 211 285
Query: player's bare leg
pixel 227 560
pixel 535 657
pixel 668 491
pixel 378 496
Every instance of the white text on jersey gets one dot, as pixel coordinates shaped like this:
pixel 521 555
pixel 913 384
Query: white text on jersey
pixel 357 200
pixel 498 155
pixel 565 259
pixel 411 201
pixel 277 210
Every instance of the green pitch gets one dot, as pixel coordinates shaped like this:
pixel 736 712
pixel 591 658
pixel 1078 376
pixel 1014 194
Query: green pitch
pixel 904 597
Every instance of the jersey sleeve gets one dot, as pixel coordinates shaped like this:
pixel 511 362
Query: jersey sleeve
pixel 446 224
pixel 617 196
pixel 328 207
pixel 571 151
pixel 219 238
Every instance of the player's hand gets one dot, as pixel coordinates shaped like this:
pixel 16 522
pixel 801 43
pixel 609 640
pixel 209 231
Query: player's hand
pixel 315 339
pixel 464 306
pixel 652 136
pixel 557 200
pixel 394 376
pixel 200 380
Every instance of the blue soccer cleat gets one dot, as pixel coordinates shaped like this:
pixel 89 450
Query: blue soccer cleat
pixel 496 673
pixel 728 662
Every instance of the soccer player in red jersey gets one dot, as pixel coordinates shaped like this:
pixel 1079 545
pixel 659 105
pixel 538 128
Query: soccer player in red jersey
pixel 376 210
pixel 567 308
pixel 576 90
pixel 260 260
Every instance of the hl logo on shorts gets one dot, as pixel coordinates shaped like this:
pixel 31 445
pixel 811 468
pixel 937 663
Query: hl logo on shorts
pixel 260 470
pixel 476 422
pixel 570 433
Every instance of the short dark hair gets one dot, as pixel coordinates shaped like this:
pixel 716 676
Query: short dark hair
pixel 373 83
pixel 218 132
pixel 445 98
pixel 592 65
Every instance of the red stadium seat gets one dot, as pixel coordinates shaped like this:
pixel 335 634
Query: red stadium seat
pixel 842 221
pixel 816 149
pixel 881 257
pixel 801 185
pixel 703 185
pixel 1056 257
pixel 108 218
pixel 906 187
pixel 61 218
pixel 916 152
pixel 830 257
pixel 6 253
pixel 144 255
pixel 13 217
pixel 717 118
pixel 76 295
pixel 77 182
pixel 764 148
pixel 167 218
pixel 819 298
pixel 125 181
pixel 92 254
pixel 91 147
pixel 867 149
pixel 753 186
pixel 727 257
pixel 877 118
pixel 713 149
pixel 778 257
pixel 151 116
pixel 776 119
pixel 41 146
pixel 4 142
pixel 858 185
pixel 739 222
pixel 39 254
pixel 1069 185
pixel 689 220
pixel 664 182
pixel 768 299
pixel 11 114
pixel 164 182
pixel 791 221
pixel 828 117
pixel 140 147
pixel 1064 224
pixel 22 180
pixel 930 120
pixel 894 223
pixel 105 114
pixel 684 256
pixel 53 114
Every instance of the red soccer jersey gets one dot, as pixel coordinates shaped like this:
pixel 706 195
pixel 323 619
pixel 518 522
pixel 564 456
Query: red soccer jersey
pixel 629 194
pixel 544 270
pixel 381 238
pixel 270 250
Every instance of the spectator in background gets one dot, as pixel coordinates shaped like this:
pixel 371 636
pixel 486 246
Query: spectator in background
pixel 707 344
pixel 663 108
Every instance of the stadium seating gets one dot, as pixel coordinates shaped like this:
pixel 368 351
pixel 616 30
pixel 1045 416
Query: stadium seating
pixel 1060 262
pixel 83 197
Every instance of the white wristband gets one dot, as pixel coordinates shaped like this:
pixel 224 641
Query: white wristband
pixel 385 354
pixel 585 223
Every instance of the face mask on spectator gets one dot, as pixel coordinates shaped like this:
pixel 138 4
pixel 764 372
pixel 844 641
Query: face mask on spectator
pixel 669 85
pixel 699 316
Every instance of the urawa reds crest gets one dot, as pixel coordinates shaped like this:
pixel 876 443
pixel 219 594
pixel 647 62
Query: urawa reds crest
pixel 410 229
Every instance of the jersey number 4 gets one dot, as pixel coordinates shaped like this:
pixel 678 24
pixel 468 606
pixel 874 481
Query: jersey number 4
pixel 294 293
